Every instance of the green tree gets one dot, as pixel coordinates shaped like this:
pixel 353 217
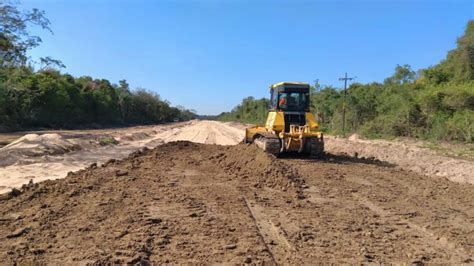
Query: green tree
pixel 249 110
pixel 47 98
pixel 459 63
pixel 403 74
pixel 15 38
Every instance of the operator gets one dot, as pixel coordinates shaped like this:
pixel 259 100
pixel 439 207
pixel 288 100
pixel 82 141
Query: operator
pixel 282 101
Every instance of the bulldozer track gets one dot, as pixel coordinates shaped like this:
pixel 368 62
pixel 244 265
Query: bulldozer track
pixel 259 229
pixel 269 145
pixel 440 241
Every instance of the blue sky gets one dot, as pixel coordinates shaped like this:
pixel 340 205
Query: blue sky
pixel 208 55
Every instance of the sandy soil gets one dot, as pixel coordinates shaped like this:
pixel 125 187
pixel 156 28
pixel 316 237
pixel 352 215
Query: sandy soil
pixel 188 203
pixel 407 154
pixel 50 155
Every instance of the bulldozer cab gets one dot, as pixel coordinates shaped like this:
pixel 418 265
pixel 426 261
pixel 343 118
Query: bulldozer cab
pixel 289 97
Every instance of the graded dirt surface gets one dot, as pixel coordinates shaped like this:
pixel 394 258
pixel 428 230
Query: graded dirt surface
pixel 185 202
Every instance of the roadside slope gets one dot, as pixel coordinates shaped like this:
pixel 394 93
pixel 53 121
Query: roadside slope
pixel 407 155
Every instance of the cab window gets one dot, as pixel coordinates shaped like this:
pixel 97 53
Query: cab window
pixel 293 101
pixel 273 100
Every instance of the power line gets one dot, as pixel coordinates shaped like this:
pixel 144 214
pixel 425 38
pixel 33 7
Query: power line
pixel 345 78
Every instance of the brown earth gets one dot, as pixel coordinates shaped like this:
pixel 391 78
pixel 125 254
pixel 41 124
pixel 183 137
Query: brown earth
pixel 186 203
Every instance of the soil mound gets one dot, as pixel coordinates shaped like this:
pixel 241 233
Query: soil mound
pixel 33 145
pixel 248 161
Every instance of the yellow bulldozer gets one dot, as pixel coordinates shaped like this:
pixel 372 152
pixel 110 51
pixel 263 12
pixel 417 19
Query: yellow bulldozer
pixel 290 126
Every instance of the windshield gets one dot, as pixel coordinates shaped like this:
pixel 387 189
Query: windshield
pixel 293 101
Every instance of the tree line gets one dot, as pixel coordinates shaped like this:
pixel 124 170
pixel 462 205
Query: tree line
pixel 435 103
pixel 48 98
pixel 251 110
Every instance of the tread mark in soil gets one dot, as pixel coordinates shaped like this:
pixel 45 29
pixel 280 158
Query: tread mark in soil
pixel 439 241
pixel 247 204
pixel 269 232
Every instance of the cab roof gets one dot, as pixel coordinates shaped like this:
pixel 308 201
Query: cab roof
pixel 293 85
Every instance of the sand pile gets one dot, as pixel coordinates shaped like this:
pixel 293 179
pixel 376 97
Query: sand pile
pixel 34 145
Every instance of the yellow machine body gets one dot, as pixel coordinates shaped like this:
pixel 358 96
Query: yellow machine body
pixel 275 125
pixel 291 137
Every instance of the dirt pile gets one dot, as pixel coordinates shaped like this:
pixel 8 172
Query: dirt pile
pixel 247 161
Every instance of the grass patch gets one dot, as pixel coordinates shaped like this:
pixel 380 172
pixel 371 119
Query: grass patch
pixel 107 140
pixel 464 150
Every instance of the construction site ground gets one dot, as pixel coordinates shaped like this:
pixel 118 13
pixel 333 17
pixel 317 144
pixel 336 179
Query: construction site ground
pixel 152 197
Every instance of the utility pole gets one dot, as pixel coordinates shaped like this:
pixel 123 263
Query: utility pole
pixel 316 84
pixel 345 78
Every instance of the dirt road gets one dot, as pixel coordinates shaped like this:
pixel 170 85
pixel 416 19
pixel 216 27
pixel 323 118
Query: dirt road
pixel 187 203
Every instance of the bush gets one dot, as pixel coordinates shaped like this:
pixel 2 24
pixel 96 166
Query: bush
pixel 461 126
pixel 107 140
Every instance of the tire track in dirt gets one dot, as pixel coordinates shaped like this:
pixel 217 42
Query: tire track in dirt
pixel 441 242
pixel 262 231
pixel 211 135
pixel 275 238
pixel 415 214
pixel 209 132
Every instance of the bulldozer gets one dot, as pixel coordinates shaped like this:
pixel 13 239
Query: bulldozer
pixel 290 126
